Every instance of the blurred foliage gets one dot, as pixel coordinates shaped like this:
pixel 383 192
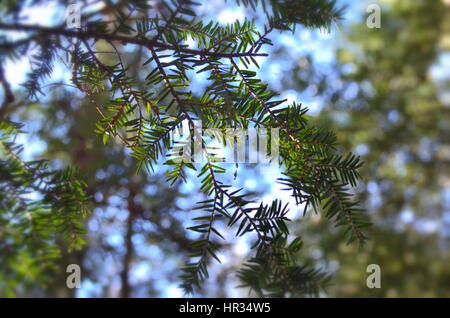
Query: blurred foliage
pixel 36 205
pixel 385 104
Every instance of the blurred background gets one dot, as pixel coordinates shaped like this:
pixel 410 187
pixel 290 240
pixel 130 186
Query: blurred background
pixel 384 91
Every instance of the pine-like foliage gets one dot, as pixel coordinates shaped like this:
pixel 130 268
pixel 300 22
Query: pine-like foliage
pixel 36 204
pixel 145 119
